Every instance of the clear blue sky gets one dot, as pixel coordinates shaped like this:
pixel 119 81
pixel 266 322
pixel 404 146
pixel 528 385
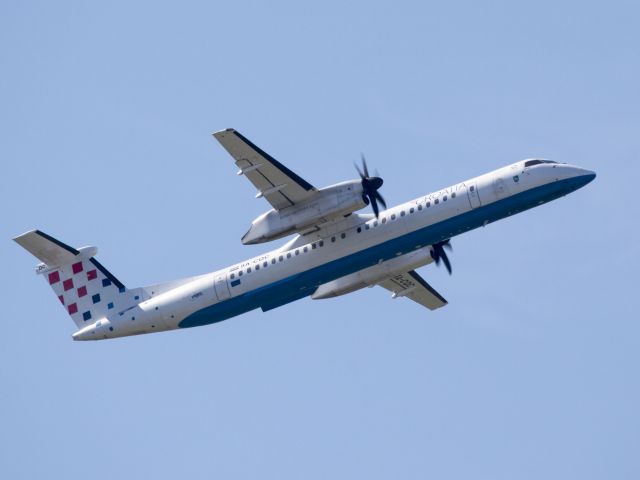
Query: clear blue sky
pixel 530 372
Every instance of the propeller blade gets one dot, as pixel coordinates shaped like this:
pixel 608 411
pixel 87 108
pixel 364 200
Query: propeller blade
pixel 359 171
pixel 364 165
pixel 438 253
pixel 379 197
pixel 446 261
pixel 374 205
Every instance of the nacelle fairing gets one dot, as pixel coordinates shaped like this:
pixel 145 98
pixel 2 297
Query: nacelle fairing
pixel 327 204
pixel 372 275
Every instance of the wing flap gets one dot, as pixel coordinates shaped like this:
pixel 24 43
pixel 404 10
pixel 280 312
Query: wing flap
pixel 280 186
pixel 413 286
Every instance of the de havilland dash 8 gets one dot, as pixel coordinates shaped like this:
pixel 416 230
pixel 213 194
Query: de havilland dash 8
pixel 334 251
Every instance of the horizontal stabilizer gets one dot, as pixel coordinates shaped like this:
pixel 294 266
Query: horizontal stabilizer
pixel 46 248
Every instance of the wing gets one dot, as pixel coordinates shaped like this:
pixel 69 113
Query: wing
pixel 280 186
pixel 413 286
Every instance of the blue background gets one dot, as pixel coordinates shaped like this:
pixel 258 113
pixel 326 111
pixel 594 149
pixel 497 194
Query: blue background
pixel 530 371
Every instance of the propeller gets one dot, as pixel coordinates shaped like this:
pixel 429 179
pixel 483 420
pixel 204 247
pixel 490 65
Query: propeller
pixel 438 253
pixel 370 186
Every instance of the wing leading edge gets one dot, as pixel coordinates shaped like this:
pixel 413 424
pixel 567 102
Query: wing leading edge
pixel 280 186
pixel 413 286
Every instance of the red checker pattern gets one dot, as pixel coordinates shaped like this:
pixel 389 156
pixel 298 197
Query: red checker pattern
pixel 82 291
pixel 92 274
pixel 67 284
pixel 76 267
pixel 61 298
pixel 54 277
pixel 73 308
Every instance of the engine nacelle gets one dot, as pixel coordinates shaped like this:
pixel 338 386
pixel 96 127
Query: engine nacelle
pixel 372 275
pixel 328 203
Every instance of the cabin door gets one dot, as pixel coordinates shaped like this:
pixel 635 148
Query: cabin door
pixel 474 198
pixel 222 289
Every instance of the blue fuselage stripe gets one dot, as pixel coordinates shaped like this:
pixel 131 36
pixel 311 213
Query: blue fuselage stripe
pixel 304 283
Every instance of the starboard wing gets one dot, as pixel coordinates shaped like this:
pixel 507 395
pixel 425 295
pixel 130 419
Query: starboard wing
pixel 413 286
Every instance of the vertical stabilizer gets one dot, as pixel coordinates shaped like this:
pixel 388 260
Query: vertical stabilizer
pixel 85 288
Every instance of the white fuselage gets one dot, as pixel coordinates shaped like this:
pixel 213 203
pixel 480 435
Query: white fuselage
pixel 350 254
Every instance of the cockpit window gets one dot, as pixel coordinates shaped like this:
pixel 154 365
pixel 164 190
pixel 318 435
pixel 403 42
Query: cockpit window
pixel 530 163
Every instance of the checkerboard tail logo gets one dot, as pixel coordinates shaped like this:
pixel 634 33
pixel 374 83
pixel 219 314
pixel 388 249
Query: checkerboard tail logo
pixel 85 288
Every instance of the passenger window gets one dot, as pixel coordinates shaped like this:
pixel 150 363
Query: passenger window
pixel 281 258
pixel 420 206
pixel 366 226
pixel 313 246
pixel 249 270
pixel 402 213
pixel 322 243
pixel 240 273
pixel 453 195
pixel 333 239
pixel 411 210
pixel 297 252
pixel 393 216
pixel 444 199
pixel 375 224
pixel 472 188
pixel 436 201
pixel 343 235
pixel 233 275
pixel 273 261
pixel 258 267
pixel 265 264
pixel 359 229
pixel 384 220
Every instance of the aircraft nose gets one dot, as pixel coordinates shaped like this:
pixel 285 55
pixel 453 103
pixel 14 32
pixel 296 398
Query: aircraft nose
pixel 580 177
pixel 587 175
pixel 591 175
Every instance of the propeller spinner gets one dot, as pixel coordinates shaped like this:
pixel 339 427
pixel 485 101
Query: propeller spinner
pixel 370 186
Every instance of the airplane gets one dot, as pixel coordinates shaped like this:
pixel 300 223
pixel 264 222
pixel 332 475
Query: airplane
pixel 335 250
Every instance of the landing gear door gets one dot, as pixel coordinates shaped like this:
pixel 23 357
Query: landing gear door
pixel 221 286
pixel 474 198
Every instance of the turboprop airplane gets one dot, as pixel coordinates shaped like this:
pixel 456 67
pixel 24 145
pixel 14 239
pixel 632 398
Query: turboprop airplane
pixel 334 251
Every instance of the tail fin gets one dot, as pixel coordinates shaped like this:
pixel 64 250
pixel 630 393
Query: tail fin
pixel 87 290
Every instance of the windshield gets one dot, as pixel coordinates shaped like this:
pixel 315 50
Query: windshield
pixel 530 163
